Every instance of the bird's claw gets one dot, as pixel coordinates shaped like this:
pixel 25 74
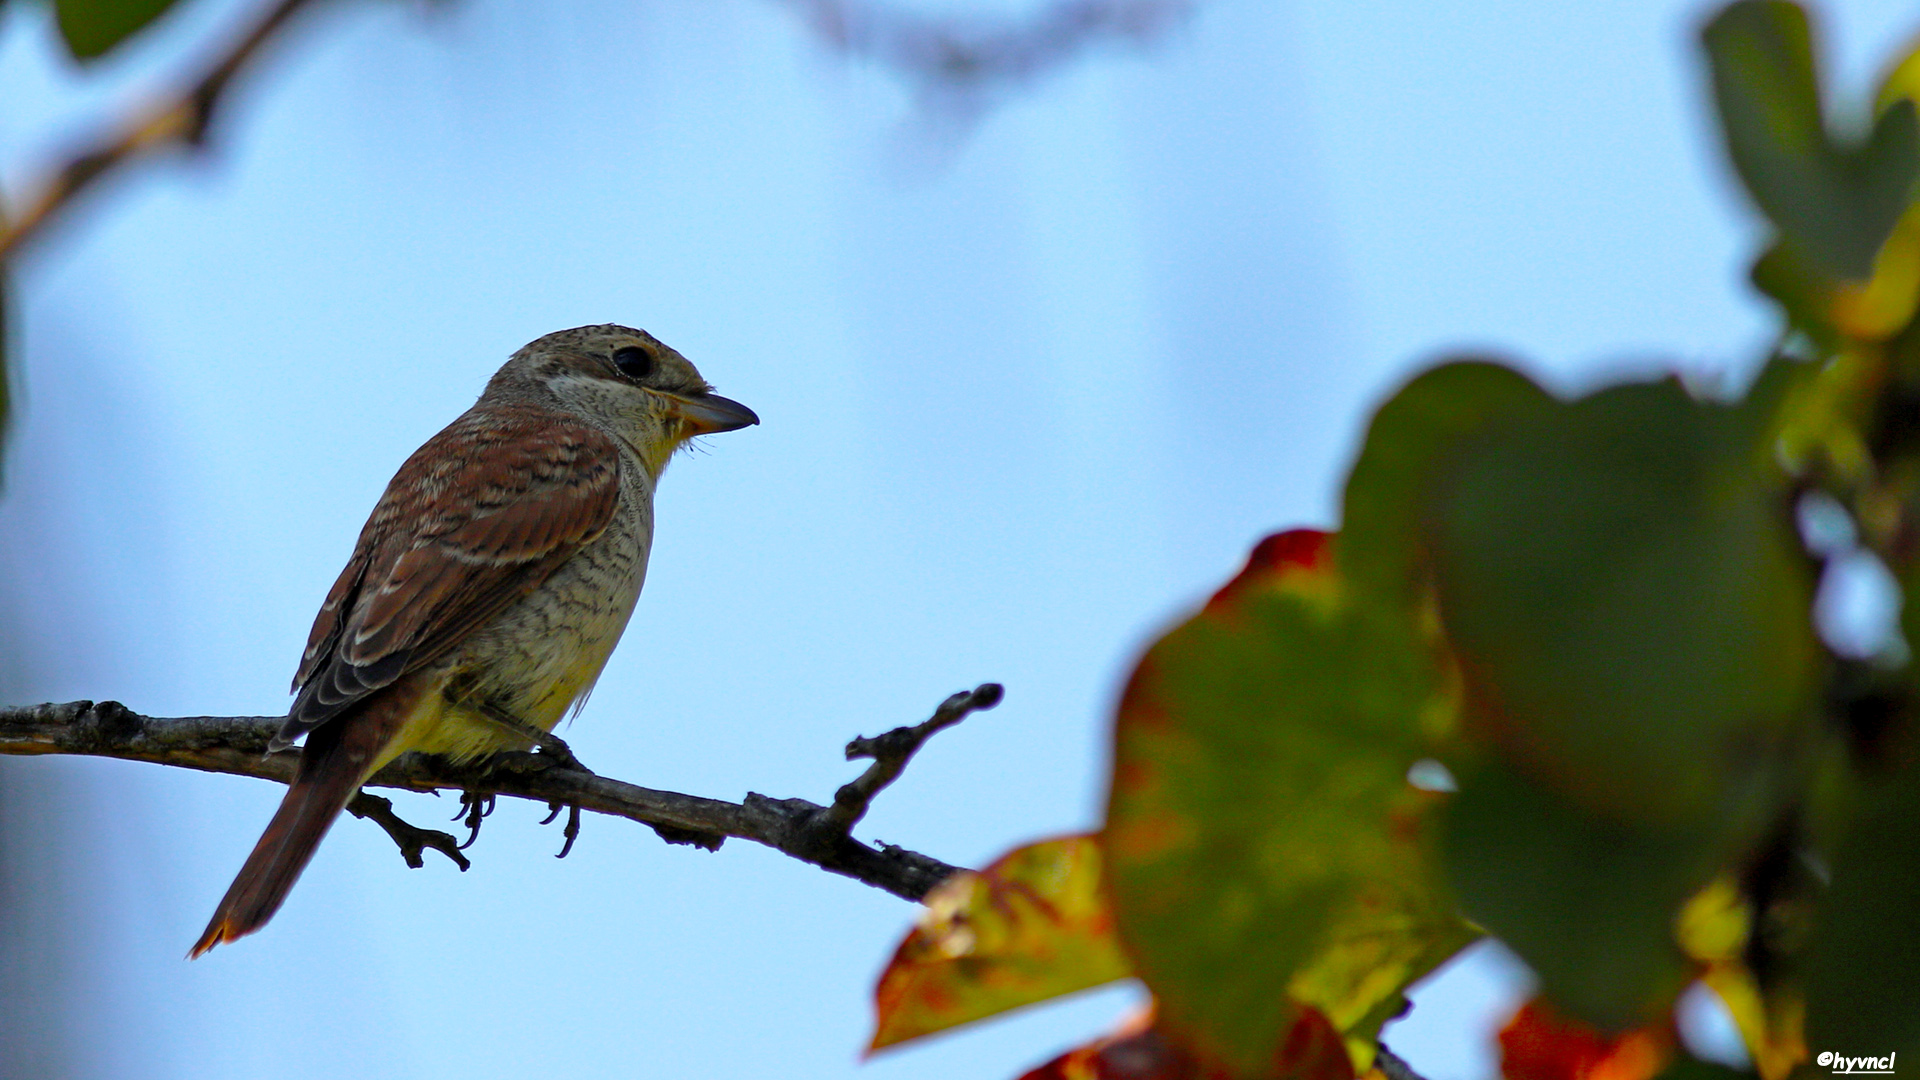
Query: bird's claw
pixel 572 829
pixel 474 808
pixel 551 752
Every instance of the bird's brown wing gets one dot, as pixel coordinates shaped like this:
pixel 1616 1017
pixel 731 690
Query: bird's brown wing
pixel 477 518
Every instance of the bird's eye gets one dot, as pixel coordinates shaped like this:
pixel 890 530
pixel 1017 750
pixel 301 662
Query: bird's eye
pixel 633 361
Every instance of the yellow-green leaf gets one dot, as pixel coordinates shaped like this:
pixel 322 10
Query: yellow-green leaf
pixel 1267 854
pixel 1032 926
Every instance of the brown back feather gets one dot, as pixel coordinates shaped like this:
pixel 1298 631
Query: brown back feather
pixel 476 518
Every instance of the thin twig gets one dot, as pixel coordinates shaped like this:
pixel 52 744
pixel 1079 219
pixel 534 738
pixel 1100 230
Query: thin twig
pixel 182 119
pixel 238 745
pixel 1392 1065
pixel 892 751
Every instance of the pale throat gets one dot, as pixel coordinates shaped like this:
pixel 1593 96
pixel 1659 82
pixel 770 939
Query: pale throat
pixel 625 412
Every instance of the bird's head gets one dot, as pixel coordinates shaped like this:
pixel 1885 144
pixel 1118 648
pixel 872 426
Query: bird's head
pixel 627 382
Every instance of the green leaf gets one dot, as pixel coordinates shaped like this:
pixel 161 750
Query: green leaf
pixel 1837 205
pixel 1033 926
pixel 1622 582
pixel 1416 434
pixel 1266 852
pixel 93 27
pixel 1588 903
pixel 1863 967
pixel 1785 274
pixel 1630 607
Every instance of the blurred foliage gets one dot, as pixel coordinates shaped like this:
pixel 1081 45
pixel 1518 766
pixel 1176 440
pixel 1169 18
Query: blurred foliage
pixel 1540 1044
pixel 1410 442
pixel 1834 202
pixel 92 28
pixel 1863 967
pixel 1143 1050
pixel 1560 680
pixel 6 367
pixel 1630 608
pixel 1715 929
pixel 1266 851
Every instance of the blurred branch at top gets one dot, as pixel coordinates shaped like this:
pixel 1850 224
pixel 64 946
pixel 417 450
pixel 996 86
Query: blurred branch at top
pixel 180 119
pixel 959 61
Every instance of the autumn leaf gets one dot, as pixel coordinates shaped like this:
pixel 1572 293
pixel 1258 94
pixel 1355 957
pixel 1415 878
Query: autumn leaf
pixel 1032 926
pixel 1141 1050
pixel 1268 858
pixel 1540 1044
pixel 1713 930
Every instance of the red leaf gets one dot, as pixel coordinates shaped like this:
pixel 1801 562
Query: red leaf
pixel 1540 1044
pixel 1296 551
pixel 1314 1050
pixel 1140 1050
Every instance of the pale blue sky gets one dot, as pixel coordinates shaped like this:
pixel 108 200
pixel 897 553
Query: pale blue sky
pixel 1027 394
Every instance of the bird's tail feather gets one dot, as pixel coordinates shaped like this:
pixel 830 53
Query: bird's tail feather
pixel 337 757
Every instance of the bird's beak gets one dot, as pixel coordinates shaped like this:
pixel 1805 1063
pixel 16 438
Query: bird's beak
pixel 705 414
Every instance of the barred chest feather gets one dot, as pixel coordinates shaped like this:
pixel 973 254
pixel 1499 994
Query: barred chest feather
pixel 541 655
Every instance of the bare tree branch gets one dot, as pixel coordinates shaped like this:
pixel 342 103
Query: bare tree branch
pixel 1392 1065
pixel 955 60
pixel 961 57
pixel 180 120
pixel 891 752
pixel 820 835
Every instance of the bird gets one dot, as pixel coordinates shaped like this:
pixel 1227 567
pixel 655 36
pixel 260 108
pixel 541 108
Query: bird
pixel 489 585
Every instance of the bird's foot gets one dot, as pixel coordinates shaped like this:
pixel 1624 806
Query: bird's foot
pixel 572 830
pixel 474 808
pixel 413 841
pixel 553 746
pixel 553 750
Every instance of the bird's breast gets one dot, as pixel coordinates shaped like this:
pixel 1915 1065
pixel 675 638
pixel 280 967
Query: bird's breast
pixel 543 652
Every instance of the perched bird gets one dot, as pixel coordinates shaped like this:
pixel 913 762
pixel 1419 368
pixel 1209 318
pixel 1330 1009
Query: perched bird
pixel 489 586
